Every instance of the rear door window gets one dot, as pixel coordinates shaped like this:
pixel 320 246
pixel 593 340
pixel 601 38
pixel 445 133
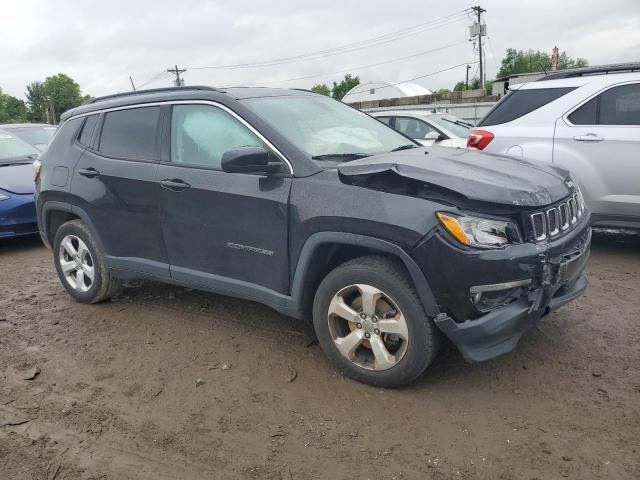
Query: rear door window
pixel 413 128
pixel 130 133
pixel 616 106
pixel 518 103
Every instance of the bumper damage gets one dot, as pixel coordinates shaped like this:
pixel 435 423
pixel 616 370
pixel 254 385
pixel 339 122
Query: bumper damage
pixel 560 280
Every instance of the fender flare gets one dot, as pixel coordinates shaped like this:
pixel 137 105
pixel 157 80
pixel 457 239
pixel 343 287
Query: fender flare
pixel 317 239
pixel 55 206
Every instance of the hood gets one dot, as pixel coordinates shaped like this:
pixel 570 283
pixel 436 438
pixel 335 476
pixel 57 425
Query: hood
pixel 477 176
pixel 17 179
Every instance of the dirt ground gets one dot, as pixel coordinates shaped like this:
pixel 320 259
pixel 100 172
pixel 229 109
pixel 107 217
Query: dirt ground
pixel 168 383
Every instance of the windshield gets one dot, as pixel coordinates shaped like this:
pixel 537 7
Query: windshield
pixel 35 135
pixel 327 130
pixel 12 148
pixel 456 126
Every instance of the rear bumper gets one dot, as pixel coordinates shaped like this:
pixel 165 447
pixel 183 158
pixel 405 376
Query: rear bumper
pixel 18 216
pixel 499 331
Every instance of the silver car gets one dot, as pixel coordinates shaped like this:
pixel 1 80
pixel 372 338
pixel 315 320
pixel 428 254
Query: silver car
pixel 587 121
pixel 426 127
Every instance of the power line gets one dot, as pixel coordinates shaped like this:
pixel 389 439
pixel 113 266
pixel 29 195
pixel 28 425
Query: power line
pixel 361 67
pixel 375 41
pixel 416 78
pixel 153 79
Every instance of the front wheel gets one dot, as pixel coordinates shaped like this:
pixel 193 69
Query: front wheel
pixel 371 324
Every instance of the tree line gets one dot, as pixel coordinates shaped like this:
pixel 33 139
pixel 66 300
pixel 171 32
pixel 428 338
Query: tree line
pixel 514 62
pixel 46 101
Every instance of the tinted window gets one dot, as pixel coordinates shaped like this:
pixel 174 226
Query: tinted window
pixel 200 134
pixel 87 130
pixel 413 128
pixel 520 102
pixel 385 120
pixel 130 133
pixel 587 114
pixel 620 105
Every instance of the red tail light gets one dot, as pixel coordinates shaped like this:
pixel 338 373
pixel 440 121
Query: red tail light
pixel 479 139
pixel 36 169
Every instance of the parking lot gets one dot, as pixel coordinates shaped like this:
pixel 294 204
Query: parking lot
pixel 171 383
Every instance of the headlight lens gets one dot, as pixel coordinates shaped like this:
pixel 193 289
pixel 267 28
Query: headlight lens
pixel 478 232
pixel 3 196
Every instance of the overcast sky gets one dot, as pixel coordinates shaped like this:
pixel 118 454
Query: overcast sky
pixel 101 43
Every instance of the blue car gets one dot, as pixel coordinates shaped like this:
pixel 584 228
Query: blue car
pixel 17 209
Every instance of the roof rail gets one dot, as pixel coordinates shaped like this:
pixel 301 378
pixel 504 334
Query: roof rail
pixel 153 90
pixel 605 69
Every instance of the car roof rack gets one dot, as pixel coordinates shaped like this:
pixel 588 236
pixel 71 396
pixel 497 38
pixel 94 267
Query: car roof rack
pixel 154 90
pixel 581 72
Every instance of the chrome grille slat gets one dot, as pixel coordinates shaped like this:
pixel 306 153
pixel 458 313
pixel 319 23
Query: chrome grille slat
pixel 558 219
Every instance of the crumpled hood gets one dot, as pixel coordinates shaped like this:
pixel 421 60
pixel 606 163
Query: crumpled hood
pixel 17 179
pixel 475 175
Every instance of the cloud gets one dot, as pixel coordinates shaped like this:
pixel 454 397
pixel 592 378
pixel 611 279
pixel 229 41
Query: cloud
pixel 101 43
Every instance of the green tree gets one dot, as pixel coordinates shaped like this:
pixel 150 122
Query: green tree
pixel 340 89
pixel 521 61
pixel 37 101
pixel 64 93
pixel 441 91
pixel 474 84
pixel 12 110
pixel 460 86
pixel 322 89
pixel 488 87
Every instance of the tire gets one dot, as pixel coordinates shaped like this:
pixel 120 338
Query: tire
pixel 80 256
pixel 362 277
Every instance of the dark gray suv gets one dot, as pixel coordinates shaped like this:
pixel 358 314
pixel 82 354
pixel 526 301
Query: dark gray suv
pixel 320 211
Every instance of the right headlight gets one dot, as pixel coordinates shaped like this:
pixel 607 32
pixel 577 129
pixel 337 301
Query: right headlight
pixel 479 232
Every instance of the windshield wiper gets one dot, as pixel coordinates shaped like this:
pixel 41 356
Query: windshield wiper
pixel 404 147
pixel 340 156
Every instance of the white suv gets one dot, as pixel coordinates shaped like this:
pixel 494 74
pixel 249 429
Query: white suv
pixel 587 121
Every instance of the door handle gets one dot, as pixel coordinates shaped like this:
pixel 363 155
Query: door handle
pixel 589 137
pixel 175 185
pixel 88 172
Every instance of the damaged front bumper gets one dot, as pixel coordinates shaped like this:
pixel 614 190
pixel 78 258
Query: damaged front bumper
pixel 546 277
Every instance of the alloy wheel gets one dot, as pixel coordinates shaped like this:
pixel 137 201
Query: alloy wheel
pixel 367 327
pixel 76 263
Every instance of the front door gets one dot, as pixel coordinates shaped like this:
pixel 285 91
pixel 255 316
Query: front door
pixel 599 142
pixel 221 228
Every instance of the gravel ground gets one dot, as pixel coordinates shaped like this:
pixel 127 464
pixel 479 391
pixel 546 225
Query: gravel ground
pixel 168 383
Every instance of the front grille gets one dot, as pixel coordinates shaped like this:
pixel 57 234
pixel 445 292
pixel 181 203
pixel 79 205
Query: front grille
pixel 559 219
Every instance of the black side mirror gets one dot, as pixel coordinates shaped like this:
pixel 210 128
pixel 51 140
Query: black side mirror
pixel 249 160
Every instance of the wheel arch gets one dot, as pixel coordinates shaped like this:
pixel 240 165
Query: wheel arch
pixel 55 214
pixel 324 251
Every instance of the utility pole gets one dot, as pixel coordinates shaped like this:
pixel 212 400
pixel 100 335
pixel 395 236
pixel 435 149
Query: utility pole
pixel 179 81
pixel 479 30
pixel 466 81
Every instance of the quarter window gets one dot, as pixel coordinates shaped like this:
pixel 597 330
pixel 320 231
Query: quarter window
pixel 200 134
pixel 87 130
pixel 385 120
pixel 587 114
pixel 130 133
pixel 518 103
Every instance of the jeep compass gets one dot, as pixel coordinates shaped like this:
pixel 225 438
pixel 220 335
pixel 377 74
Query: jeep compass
pixel 302 203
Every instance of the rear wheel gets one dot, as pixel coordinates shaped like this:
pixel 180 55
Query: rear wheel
pixel 81 266
pixel 370 322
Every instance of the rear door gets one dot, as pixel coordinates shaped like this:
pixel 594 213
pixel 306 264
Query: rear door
pixel 221 228
pixel 599 141
pixel 115 182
